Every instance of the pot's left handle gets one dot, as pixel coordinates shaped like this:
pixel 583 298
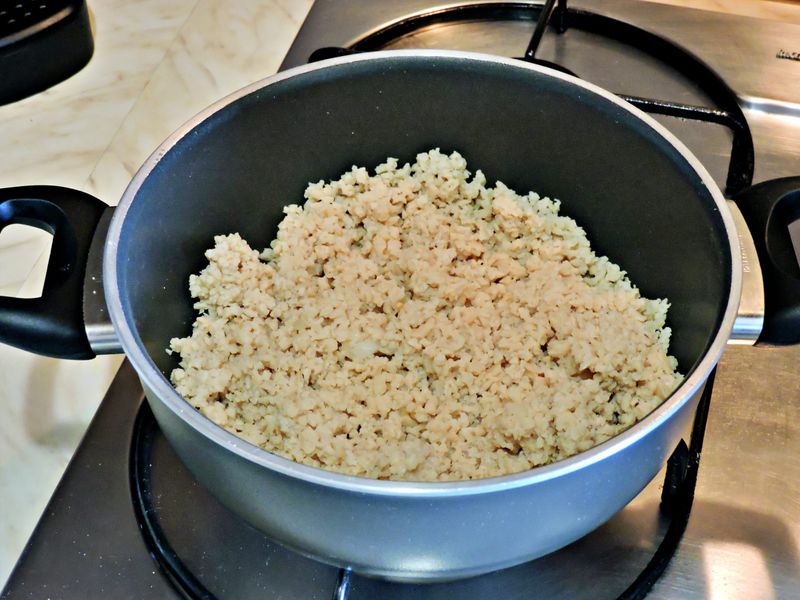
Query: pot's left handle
pixel 53 324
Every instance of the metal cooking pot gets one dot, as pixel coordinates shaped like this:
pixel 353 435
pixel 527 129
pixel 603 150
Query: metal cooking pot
pixel 644 200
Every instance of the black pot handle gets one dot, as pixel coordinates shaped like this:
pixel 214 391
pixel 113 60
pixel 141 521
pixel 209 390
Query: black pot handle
pixel 52 324
pixel 772 212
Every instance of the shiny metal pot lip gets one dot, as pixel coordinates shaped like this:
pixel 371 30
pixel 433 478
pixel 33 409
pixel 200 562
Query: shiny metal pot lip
pixel 158 385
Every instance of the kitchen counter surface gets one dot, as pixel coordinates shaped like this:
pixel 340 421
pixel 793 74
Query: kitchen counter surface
pixel 155 65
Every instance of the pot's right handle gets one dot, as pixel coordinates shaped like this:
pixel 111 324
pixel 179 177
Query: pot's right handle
pixel 52 324
pixel 772 212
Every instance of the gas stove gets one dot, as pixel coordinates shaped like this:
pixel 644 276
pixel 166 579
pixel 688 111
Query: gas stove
pixel 128 520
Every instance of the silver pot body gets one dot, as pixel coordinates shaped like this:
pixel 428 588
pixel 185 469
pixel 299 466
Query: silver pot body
pixel 418 537
pixel 643 198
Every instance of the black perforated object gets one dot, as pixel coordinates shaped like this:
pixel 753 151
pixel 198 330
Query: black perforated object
pixel 42 42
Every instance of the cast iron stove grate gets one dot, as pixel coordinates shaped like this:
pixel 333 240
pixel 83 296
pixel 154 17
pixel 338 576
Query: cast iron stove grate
pixel 682 468
pixel 726 110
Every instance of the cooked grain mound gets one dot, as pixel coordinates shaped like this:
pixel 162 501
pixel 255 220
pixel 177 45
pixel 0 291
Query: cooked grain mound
pixel 417 325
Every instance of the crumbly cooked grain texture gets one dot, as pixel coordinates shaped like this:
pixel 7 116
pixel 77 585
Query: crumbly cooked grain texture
pixel 418 325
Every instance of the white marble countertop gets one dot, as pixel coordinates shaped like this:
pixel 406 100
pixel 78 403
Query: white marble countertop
pixel 156 64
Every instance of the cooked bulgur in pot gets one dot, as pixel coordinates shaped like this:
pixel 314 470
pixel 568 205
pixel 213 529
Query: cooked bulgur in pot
pixel 415 324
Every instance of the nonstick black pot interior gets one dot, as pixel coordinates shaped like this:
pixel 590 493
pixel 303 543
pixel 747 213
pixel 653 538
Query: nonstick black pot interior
pixel 636 196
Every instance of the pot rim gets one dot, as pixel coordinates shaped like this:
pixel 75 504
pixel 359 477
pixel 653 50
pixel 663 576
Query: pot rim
pixel 159 386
